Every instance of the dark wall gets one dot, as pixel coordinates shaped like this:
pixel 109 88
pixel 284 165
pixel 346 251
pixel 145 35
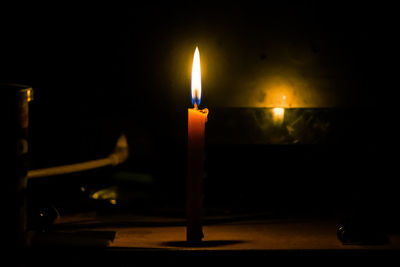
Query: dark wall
pixel 99 70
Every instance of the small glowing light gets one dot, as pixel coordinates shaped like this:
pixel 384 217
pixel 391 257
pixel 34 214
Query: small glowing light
pixel 196 78
pixel 41 214
pixel 83 189
pixel 113 201
pixel 29 95
pixel 278 114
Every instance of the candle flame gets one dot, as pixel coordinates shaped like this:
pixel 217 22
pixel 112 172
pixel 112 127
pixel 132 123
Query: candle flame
pixel 196 78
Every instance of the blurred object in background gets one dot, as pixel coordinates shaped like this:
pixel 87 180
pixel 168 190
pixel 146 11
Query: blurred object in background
pixel 14 143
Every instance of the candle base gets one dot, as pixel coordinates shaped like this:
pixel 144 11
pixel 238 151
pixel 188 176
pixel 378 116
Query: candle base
pixel 194 235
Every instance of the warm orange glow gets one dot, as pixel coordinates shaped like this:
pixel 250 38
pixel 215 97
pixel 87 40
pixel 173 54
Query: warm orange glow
pixel 196 78
pixel 278 114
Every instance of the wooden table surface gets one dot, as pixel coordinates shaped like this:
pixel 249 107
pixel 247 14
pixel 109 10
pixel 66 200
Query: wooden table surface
pixel 89 240
pixel 170 233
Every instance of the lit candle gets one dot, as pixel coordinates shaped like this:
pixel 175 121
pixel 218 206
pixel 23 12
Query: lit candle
pixel 197 119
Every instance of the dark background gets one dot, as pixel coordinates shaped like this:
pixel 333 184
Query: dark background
pixel 99 70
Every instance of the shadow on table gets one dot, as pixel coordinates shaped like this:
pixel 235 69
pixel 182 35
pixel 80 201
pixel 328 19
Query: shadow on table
pixel 203 244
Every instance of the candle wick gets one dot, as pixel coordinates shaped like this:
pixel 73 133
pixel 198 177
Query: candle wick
pixel 195 106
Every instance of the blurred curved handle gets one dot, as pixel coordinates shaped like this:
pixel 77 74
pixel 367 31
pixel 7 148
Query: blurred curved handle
pixel 120 154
